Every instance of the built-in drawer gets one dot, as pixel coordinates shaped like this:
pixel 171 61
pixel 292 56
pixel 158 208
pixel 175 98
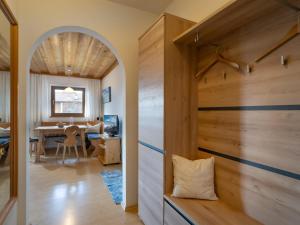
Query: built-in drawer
pixel 173 217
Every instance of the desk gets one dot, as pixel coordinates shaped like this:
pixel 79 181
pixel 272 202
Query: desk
pixel 44 130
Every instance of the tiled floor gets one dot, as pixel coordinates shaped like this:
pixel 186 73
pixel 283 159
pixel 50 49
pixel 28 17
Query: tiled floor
pixel 73 194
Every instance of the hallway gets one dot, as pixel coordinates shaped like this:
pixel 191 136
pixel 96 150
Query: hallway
pixel 73 194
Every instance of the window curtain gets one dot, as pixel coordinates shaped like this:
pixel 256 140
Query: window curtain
pixel 5 96
pixel 38 101
pixel 40 91
pixel 93 99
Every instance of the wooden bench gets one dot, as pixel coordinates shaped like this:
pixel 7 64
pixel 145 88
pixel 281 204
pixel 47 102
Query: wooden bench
pixel 202 212
pixel 4 125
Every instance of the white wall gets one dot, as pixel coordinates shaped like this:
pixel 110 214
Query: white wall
pixel 196 10
pixel 114 80
pixel 118 24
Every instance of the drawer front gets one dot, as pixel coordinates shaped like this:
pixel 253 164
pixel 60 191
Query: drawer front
pixel 172 217
pixel 150 186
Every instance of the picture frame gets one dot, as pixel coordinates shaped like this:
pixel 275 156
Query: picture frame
pixel 106 95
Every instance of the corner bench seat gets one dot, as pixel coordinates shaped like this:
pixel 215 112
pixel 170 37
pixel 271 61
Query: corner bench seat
pixel 204 212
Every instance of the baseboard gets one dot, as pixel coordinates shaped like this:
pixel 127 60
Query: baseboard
pixel 133 208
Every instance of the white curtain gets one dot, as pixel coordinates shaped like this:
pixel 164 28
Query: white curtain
pixel 38 100
pixel 93 100
pixel 40 97
pixel 5 96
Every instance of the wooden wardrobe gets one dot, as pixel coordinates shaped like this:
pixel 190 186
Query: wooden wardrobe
pixel 228 88
pixel 163 122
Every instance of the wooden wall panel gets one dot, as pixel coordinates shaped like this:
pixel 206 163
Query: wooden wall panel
pixel 150 186
pixel 270 83
pixel 270 198
pixel 257 151
pixel 177 89
pixel 151 86
pixel 265 137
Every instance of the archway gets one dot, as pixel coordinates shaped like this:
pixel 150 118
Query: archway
pixel 123 75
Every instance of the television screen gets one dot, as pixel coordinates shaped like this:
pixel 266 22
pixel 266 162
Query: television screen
pixel 111 124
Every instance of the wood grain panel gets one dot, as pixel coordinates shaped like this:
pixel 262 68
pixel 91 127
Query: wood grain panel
pixel 270 198
pixel 151 86
pixel 4 54
pixel 171 217
pixel 203 212
pixel 270 83
pixel 178 89
pixel 150 186
pixel 227 19
pixel 86 56
pixel 268 137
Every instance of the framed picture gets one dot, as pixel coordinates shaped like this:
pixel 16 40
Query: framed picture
pixel 106 95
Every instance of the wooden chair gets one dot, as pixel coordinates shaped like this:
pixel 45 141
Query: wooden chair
pixel 69 141
pixel 33 145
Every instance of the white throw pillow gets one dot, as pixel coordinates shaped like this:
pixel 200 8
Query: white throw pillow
pixel 4 132
pixel 93 129
pixel 194 179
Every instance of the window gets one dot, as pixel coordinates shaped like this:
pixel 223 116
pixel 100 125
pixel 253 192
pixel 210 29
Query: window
pixel 66 103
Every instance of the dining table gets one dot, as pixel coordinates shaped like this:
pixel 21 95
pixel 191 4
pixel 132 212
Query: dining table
pixel 44 131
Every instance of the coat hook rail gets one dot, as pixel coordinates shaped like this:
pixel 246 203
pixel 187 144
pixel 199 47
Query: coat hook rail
pixel 293 32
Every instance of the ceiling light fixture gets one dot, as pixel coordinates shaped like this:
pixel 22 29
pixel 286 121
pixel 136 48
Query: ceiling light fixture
pixel 69 72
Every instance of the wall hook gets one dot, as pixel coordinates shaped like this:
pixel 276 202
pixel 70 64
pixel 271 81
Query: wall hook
pixel 248 68
pixel 283 60
pixel 224 75
pixel 196 39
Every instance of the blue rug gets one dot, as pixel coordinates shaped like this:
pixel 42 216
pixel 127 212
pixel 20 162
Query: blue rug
pixel 113 180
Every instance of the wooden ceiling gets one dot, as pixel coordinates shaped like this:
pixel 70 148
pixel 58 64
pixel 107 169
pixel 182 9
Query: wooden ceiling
pixel 74 54
pixel 4 54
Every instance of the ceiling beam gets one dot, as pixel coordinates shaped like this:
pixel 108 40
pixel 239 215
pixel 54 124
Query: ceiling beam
pixel 64 75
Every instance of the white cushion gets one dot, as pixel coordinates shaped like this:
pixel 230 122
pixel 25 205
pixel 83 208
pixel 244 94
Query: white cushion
pixel 194 179
pixel 4 132
pixel 93 129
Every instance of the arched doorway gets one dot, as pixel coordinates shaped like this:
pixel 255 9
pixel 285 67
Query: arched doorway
pixel 120 62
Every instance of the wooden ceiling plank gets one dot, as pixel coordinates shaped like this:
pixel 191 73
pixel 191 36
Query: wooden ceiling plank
pixel 87 56
pixel 74 40
pixel 4 54
pixel 83 45
pixel 34 65
pixel 40 57
pixel 102 65
pixel 48 56
pixel 98 61
pixel 56 45
pixel 91 62
pixel 106 64
pixel 89 52
pixel 109 69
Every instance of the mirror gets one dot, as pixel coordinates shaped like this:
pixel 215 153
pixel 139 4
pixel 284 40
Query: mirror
pixel 8 110
pixel 5 163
